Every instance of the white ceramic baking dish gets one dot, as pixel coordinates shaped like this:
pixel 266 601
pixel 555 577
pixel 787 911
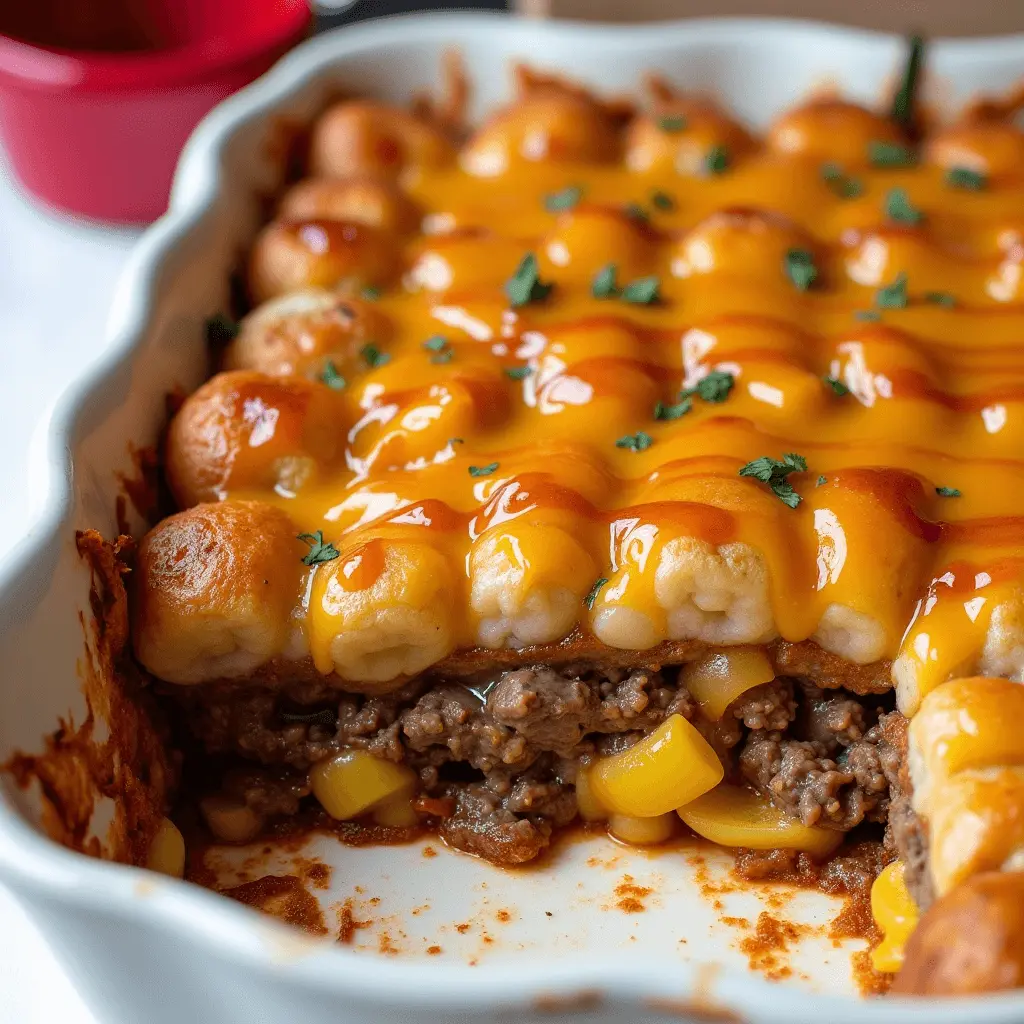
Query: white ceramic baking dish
pixel 145 948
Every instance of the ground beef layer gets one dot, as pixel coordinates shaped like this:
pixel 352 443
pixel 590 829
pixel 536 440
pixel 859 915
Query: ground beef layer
pixel 497 756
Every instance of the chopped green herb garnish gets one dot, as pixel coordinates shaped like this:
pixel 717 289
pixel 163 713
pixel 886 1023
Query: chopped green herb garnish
pixel 830 171
pixel 948 492
pixel 716 160
pixel 638 442
pixel 443 357
pixel 841 184
pixel 634 211
pixel 370 293
pixel 332 378
pixel 893 296
pixel 456 440
pixel 836 385
pixel 800 268
pixel 899 208
pixel 594 591
pixel 673 412
pixel 565 199
pixel 438 343
pixel 903 102
pixel 641 292
pixel 518 372
pixel 319 549
pixel 525 284
pixel 373 356
pixel 867 315
pixel 890 154
pixel 662 200
pixel 324 717
pixel 940 299
pixel 775 473
pixel 821 480
pixel 604 286
pixel 483 470
pixel 220 329
pixel 672 123
pixel 964 177
pixel 715 387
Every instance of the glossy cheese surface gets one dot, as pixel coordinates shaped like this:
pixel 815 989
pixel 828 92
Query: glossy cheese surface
pixel 507 463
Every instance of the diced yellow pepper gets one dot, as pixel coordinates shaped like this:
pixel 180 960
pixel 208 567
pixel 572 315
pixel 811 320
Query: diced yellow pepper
pixel 355 781
pixel 896 915
pixel 719 677
pixel 396 813
pixel 590 808
pixel 733 816
pixel 167 850
pixel 668 768
pixel 642 831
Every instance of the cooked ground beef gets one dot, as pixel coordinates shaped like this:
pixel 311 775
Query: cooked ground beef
pixel 500 752
pixel 911 841
pixel 801 778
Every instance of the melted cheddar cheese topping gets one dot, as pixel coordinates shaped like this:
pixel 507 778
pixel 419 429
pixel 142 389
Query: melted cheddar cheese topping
pixel 521 448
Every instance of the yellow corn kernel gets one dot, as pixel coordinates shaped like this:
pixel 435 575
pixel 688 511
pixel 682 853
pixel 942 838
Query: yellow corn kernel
pixel 167 850
pixel 668 768
pixel 230 821
pixel 642 831
pixel 896 915
pixel 396 813
pixel 355 781
pixel 590 808
pixel 732 816
pixel 719 677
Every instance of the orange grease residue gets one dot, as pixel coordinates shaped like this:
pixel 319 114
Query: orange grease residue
pixel 386 946
pixel 503 916
pixel 429 851
pixel 462 928
pixel 434 951
pixel 630 896
pixel 347 924
pixel 772 938
pixel 284 897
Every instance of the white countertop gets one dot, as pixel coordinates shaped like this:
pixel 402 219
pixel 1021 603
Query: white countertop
pixel 56 279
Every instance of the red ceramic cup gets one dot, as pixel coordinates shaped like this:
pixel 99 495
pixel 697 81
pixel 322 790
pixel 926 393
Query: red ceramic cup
pixel 97 97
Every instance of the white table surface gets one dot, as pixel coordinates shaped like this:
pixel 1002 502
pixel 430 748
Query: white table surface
pixel 56 279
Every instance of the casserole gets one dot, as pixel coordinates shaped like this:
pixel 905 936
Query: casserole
pixel 171 290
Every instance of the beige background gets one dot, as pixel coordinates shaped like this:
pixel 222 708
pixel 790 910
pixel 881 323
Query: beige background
pixel 934 17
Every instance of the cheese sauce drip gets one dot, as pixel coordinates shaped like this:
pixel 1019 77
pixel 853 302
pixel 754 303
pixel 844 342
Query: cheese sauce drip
pixel 541 426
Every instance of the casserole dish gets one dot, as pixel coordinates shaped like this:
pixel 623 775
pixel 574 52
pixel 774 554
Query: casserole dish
pixel 153 929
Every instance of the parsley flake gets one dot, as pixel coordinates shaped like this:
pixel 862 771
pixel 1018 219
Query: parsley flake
pixel 840 183
pixel 220 329
pixel 439 358
pixel 594 591
pixel 800 268
pixel 836 385
pixel 940 299
pixel 890 154
pixel 438 343
pixel 483 470
pixel 899 208
pixel 903 102
pixel 634 211
pixel 662 200
pixel 672 123
pixel 518 372
pixel 964 177
pixel 821 480
pixel 332 378
pixel 370 293
pixel 775 473
pixel 525 285
pixel 603 285
pixel 373 357
pixel 565 199
pixel 715 387
pixel 893 296
pixel 642 292
pixel 867 315
pixel 716 160
pixel 319 550
pixel 638 442
pixel 948 492
pixel 456 440
pixel 673 412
